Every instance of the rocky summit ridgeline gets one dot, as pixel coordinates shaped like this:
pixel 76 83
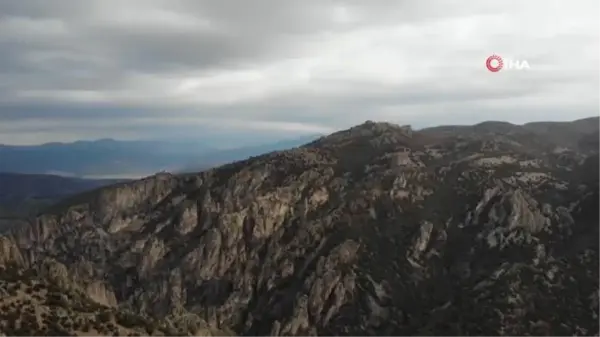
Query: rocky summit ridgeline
pixel 489 229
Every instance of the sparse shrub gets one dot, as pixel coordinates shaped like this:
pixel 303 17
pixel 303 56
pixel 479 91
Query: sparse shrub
pixel 104 316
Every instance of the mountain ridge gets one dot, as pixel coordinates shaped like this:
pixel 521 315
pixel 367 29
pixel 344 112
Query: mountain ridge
pixel 378 229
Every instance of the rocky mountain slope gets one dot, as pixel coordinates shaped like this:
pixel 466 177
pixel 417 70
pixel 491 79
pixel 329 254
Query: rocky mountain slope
pixel 43 303
pixel 490 229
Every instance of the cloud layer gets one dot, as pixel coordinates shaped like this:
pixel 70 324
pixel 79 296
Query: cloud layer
pixel 142 69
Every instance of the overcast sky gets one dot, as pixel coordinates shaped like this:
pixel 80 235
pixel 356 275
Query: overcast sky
pixel 267 69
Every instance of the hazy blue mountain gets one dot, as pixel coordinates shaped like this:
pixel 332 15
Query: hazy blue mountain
pixel 125 159
pixel 103 157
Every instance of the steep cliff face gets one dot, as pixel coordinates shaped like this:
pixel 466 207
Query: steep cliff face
pixel 373 230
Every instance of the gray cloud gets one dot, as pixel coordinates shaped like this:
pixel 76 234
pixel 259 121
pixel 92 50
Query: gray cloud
pixel 71 69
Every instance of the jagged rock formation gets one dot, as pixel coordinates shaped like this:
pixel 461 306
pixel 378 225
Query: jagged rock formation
pixel 379 229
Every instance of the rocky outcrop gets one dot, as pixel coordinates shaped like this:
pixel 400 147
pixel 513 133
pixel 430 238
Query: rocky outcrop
pixel 9 252
pixel 378 229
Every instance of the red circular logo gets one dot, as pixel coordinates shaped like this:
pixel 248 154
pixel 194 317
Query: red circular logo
pixel 494 63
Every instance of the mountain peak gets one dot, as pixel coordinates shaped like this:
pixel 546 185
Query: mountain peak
pixel 496 127
pixel 382 127
pixel 367 137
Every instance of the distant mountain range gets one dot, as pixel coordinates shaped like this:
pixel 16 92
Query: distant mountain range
pixel 574 134
pixel 108 158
